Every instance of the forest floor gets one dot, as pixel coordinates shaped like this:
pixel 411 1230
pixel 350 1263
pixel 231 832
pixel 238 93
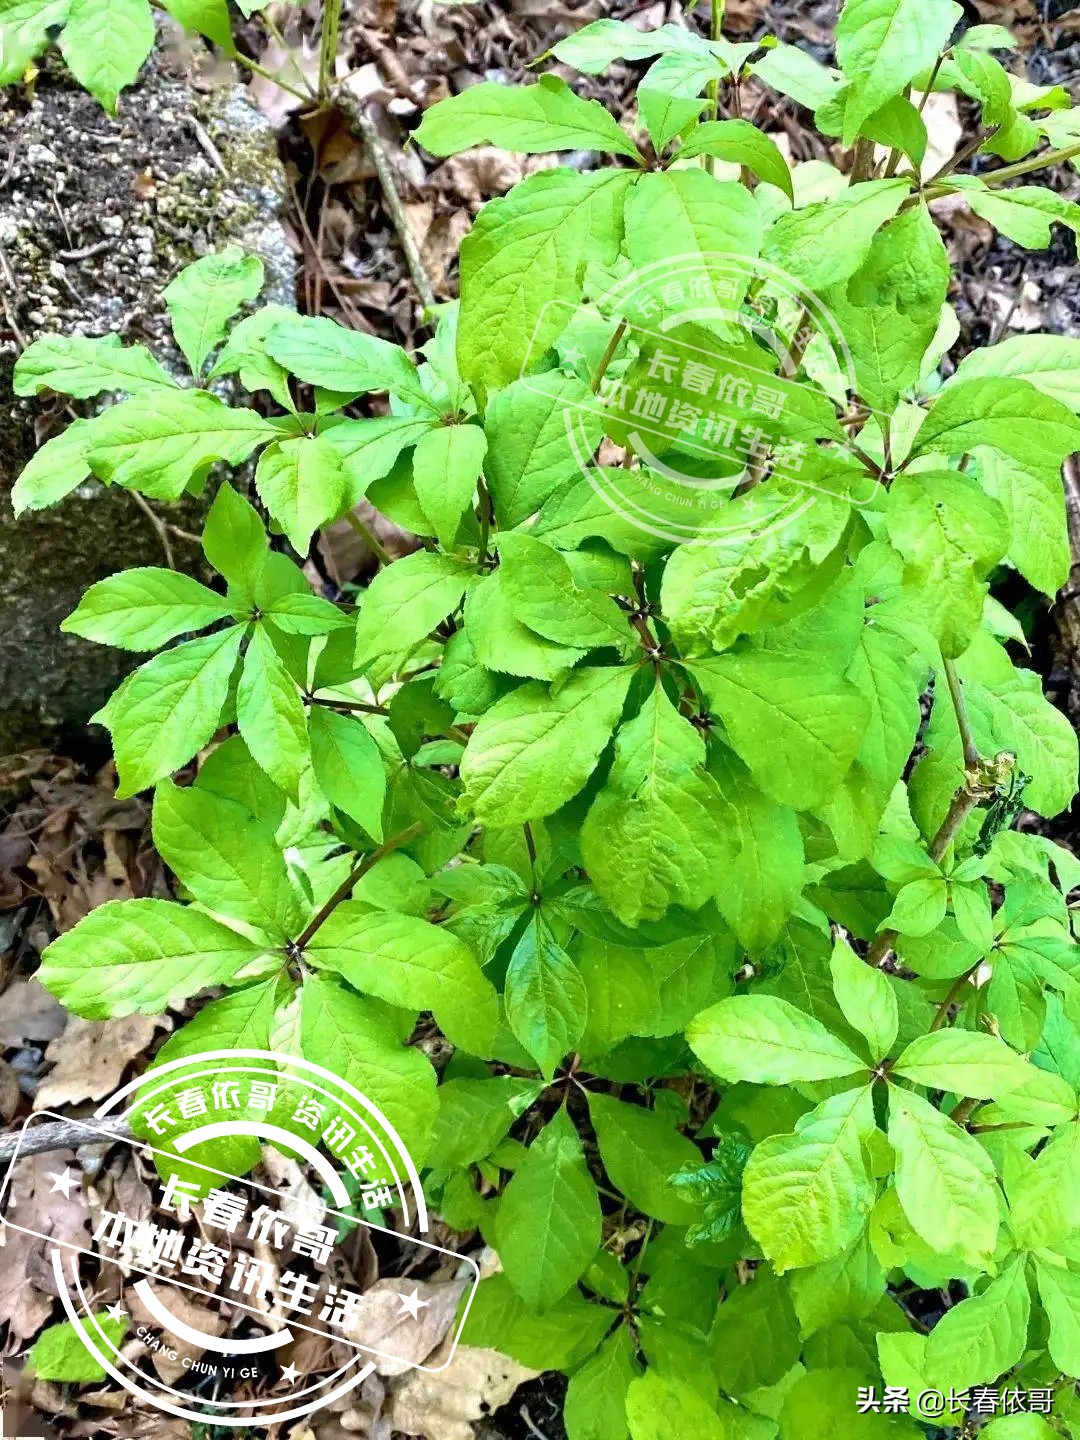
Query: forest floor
pixel 66 845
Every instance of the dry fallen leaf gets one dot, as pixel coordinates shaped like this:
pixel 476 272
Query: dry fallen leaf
pixel 28 1014
pixel 440 1406
pixel 383 1325
pixel 184 1306
pixel 27 1286
pixel 90 1058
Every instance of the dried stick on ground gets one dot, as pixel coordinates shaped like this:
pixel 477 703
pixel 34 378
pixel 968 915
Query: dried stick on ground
pixel 61 1135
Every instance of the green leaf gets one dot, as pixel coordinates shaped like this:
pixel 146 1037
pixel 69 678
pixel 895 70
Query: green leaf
pixel 982 1338
pixel 270 714
pixel 1059 1290
pixel 59 1354
pixel 348 768
pixel 1044 1197
pixel 205 296
pixel 302 484
pixel 1023 213
pixel 82 366
pixel 1009 414
pixel 651 838
pixel 143 608
pixel 297 613
pixel 529 119
pixel 227 863
pixel 540 590
pixel 768 1041
pixel 545 997
pixel 547 1227
pixel 131 957
pixel 530 453
pixel 659 1406
pixel 1049 362
pixel 321 352
pixel 25 27
pixel 104 43
pixel 595 1404
pixel 919 907
pixel 500 641
pixel 740 143
pixel 794 72
pixel 965 1062
pixel 804 245
pixel 641 1150
pixel 524 252
pixel 474 1115
pixel 404 602
pixel 169 708
pixel 409 963
pixel 205 17
pixel 234 542
pixel 882 45
pixel 446 466
pixel 675 214
pixel 55 470
pixel 532 751
pixel 944 1179
pixel 557 1339
pixel 866 998
pixel 161 444
pixel 670 94
pixel 355 1042
pixel 839 1290
pixel 592 48
pixel 806 1196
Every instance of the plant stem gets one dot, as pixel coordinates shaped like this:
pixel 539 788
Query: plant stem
pixel 328 44
pixel 356 873
pixel 605 359
pixel 360 705
pixel 257 69
pixel 368 536
pixel 930 84
pixel 950 999
pixel 1036 162
pixel 484 497
pixel 956 690
pixel 716 21
pixel 964 153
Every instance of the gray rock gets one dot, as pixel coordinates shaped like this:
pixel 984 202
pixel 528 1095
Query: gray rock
pixel 96 217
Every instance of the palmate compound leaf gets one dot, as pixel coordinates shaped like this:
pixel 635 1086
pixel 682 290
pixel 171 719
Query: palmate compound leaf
pixel 944 1179
pixel 547 1226
pixel 140 956
pixel 532 751
pixel 806 1196
pixel 169 708
pixel 765 1040
pixel 652 837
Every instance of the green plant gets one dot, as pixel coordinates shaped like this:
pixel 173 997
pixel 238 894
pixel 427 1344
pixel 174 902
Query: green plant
pixel 764 1021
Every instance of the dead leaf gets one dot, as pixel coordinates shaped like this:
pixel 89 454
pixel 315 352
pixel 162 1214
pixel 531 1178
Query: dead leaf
pixel 183 1305
pixel 28 1013
pixel 27 1286
pixel 382 1324
pixel 440 1406
pixel 90 1058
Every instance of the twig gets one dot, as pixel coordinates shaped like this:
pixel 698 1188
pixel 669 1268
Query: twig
pixel 605 359
pixel 378 548
pixel 951 998
pixel 956 690
pixel 61 1135
pixel 159 525
pixel 964 153
pixel 328 43
pixel 362 125
pixel 356 873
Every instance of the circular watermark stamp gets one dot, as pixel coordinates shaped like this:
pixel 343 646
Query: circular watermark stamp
pixel 276 1260
pixel 690 371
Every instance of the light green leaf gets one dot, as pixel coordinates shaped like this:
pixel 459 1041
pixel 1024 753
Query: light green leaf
pixel 25 26
pixel 547 1226
pixel 297 613
pixel 963 1061
pixel 1049 362
pixel 228 864
pixel 1008 414
pixel 55 470
pixel 60 1354
pixel 532 751
pixel 142 608
pixel 641 1150
pixel 803 243
pixel 530 119
pixel 234 541
pixel 526 251
pixel 592 48
pixel 1044 1198
pixel 545 996
pixel 502 643
pixel 348 768
pixel 839 1290
pixel 321 352
pixel 446 466
pixel 983 1337
pixel 882 45
pixel 346 1034
pixel 162 443
pixel 740 143
pixel 530 452
pixel 795 726
pixel 659 1406
pixel 81 366
pixel 540 590
pixel 206 295
pixel 474 1115
pixel 595 1404
pixel 169 708
pixel 652 836
pixel 795 72
pixel 403 604
pixel 806 1196
pixel 558 1339
pixel 866 998
pixel 670 94
pixel 1059 1290
pixel 302 484
pixel 105 43
pixel 766 1040
pixel 944 1179
pixel 1023 213
pixel 205 17
pixel 270 714
pixel 131 957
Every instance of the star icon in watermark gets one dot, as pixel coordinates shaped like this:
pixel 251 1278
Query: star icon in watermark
pixel 572 354
pixel 65 1182
pixel 290 1373
pixel 412 1304
pixel 116 1312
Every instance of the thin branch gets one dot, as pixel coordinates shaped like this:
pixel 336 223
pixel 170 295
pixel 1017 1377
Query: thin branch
pixel 605 359
pixel 964 153
pixel 358 872
pixel 159 525
pixel 952 997
pixel 61 1135
pixel 368 536
pixel 362 125
pixel 956 690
